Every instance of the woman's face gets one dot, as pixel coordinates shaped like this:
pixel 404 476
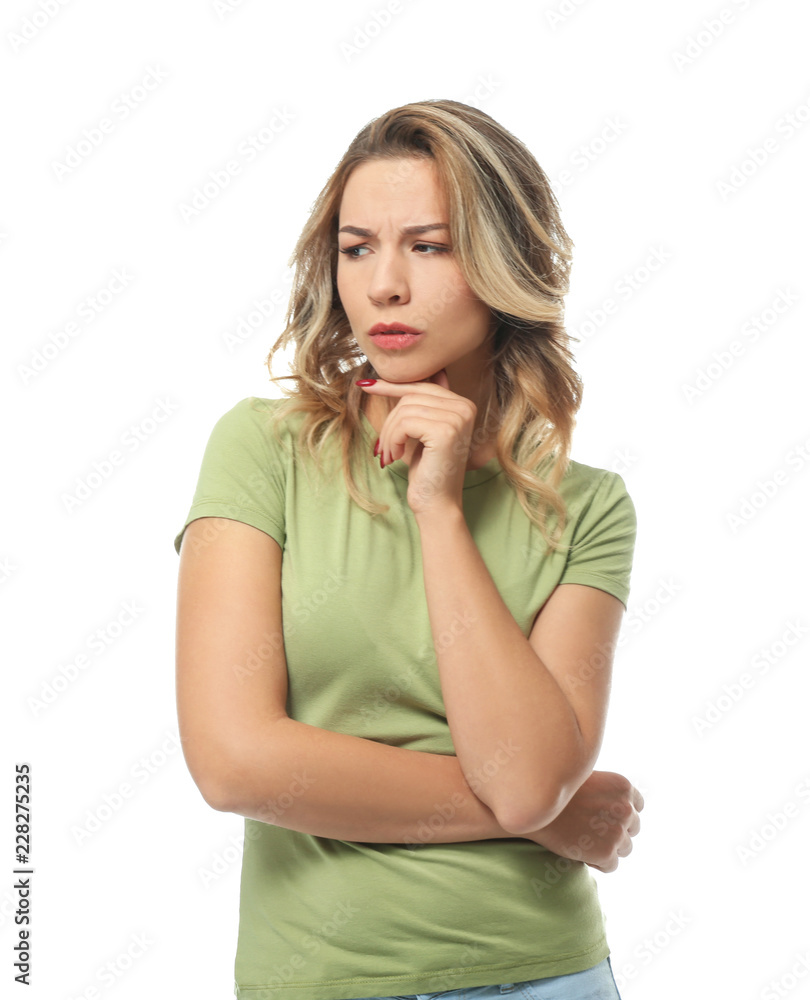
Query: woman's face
pixel 387 275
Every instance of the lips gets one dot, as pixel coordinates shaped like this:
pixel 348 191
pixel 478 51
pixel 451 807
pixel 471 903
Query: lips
pixel 392 328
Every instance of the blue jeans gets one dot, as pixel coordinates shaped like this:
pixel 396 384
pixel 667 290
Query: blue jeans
pixel 592 984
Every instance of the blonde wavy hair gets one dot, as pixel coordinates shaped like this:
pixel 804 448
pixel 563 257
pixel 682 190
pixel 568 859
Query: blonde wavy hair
pixel 510 245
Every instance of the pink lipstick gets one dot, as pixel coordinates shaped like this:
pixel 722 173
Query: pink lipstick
pixel 394 335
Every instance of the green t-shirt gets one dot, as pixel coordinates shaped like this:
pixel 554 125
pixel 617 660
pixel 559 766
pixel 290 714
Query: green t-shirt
pixel 324 919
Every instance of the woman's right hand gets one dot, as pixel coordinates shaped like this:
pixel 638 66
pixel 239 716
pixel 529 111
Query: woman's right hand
pixel 597 824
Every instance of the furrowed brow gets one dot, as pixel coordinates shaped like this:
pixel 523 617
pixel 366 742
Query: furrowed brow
pixel 406 231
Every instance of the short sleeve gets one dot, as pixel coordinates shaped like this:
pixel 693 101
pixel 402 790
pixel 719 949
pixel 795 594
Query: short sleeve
pixel 242 474
pixel 604 540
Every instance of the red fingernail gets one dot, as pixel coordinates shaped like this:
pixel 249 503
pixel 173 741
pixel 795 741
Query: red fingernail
pixel 376 446
pixel 365 381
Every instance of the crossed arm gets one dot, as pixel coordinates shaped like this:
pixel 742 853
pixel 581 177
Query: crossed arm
pixel 246 755
pixel 541 698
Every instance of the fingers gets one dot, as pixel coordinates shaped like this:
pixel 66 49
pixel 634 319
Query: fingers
pixel 625 788
pixel 396 440
pixel 625 847
pixel 622 847
pixel 427 394
pixel 623 823
pixel 420 401
pixel 440 424
pixel 433 386
pixel 417 402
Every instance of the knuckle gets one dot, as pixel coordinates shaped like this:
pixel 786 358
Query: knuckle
pixel 623 809
pixel 624 786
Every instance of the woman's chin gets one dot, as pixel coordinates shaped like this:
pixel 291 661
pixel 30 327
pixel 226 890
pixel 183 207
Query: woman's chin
pixel 404 374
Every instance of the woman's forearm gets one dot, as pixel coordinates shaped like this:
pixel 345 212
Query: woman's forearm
pixel 345 787
pixel 514 730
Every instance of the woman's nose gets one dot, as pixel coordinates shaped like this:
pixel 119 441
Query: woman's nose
pixel 388 278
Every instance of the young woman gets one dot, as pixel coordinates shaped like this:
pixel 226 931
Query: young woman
pixel 399 597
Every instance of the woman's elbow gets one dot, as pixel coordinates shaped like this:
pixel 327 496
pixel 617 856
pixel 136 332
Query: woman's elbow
pixel 520 822
pixel 218 796
pixel 537 809
pixel 216 784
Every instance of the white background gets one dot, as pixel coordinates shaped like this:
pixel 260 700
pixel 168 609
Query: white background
pixel 666 129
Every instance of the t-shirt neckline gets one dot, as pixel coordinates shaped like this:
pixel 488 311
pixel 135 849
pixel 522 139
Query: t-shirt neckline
pixel 472 477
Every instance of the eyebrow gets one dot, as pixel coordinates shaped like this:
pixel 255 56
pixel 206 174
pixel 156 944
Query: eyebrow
pixel 406 231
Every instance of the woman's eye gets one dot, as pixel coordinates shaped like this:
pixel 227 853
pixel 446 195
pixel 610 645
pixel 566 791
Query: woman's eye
pixel 350 251
pixel 353 252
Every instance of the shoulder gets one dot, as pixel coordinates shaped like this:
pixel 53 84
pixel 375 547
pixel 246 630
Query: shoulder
pixel 258 415
pixel 253 432
pixel 590 478
pixel 589 489
pixel 253 408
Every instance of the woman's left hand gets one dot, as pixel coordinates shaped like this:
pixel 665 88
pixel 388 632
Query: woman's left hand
pixel 430 429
